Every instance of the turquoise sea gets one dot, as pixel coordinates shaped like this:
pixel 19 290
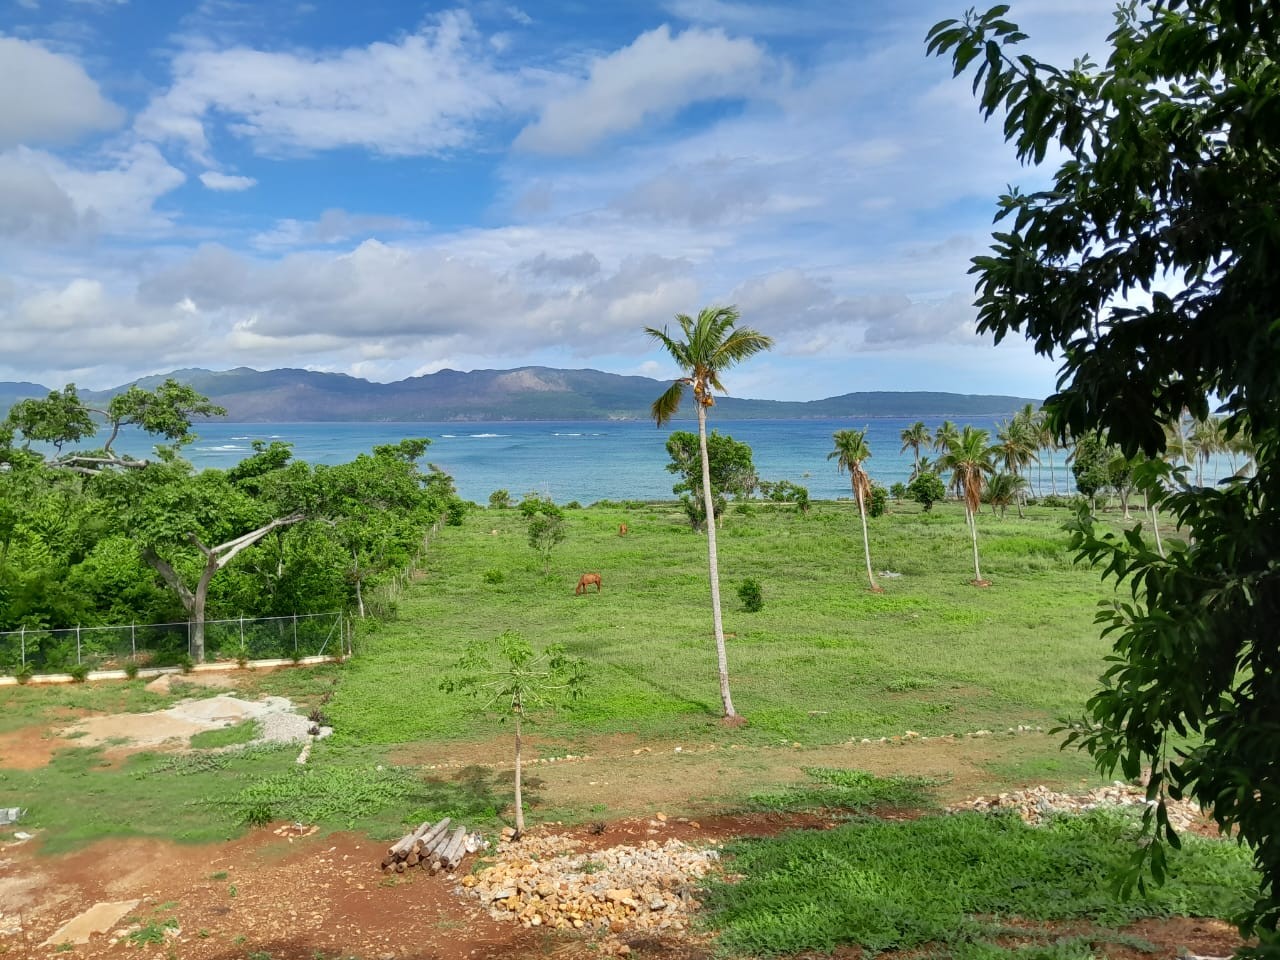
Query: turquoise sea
pixel 577 460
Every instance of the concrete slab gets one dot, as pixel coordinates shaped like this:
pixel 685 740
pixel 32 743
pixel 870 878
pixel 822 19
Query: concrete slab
pixel 99 918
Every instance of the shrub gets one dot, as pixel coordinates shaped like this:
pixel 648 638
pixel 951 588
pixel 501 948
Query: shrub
pixel 24 673
pixel 879 501
pixel 926 490
pixel 500 499
pixel 131 668
pixel 898 491
pixel 493 575
pixel 186 663
pixel 79 672
pixel 455 512
pixel 573 505
pixel 751 596
pixel 534 503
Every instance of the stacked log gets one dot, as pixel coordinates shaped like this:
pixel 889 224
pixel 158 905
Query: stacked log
pixel 432 847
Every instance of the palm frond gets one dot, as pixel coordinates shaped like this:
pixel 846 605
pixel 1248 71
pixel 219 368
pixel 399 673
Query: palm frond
pixel 668 405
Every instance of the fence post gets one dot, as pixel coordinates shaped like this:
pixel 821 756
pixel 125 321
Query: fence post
pixel 133 639
pixel 295 633
pixel 22 640
pixel 78 643
pixel 243 652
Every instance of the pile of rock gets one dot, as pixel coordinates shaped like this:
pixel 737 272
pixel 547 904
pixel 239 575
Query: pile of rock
pixel 552 882
pixel 1036 803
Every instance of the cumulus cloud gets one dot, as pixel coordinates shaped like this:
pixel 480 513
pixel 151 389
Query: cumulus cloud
pixel 47 98
pixel 578 266
pixel 814 320
pixel 332 226
pixel 655 76
pixel 225 181
pixel 46 199
pixel 405 298
pixel 424 94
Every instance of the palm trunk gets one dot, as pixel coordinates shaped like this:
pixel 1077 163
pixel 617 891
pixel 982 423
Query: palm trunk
pixel 722 659
pixel 1155 527
pixel 973 533
pixel 866 543
pixel 519 794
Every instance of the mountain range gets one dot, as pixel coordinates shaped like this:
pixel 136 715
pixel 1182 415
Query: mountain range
pixel 525 393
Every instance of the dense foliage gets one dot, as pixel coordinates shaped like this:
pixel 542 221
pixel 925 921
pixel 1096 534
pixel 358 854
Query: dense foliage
pixel 1149 267
pixel 732 472
pixel 88 537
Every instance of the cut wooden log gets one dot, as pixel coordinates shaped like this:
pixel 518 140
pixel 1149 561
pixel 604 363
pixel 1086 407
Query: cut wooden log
pixel 401 846
pixel 451 856
pixel 429 838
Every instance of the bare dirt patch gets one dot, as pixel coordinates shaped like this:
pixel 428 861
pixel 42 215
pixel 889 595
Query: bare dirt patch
pixel 27 749
pixel 325 895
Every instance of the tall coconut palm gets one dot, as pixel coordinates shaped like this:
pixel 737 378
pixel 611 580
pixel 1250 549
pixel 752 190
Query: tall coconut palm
pixel 915 436
pixel 851 450
pixel 710 346
pixel 970 460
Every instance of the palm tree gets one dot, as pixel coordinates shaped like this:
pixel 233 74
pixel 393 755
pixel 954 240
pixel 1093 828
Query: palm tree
pixel 969 459
pixel 1210 438
pixel 945 436
pixel 851 449
pixel 1004 489
pixel 915 436
pixel 710 346
pixel 1016 449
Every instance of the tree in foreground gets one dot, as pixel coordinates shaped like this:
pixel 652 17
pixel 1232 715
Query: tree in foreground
pixel 1169 186
pixel 851 450
pixel 712 344
pixel 510 674
pixel 969 460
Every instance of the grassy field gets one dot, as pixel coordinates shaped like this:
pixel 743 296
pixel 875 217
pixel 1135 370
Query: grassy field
pixel 824 661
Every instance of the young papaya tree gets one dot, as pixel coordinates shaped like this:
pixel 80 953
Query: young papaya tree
pixel 508 674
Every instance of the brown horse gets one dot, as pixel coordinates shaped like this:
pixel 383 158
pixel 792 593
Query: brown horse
pixel 585 581
pixel 622 529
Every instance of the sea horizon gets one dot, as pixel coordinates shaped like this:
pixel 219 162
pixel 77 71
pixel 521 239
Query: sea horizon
pixel 582 460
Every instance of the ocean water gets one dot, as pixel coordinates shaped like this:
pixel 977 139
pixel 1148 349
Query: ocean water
pixel 576 460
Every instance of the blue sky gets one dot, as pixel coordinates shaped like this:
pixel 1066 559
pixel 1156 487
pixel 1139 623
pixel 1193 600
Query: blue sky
pixel 387 189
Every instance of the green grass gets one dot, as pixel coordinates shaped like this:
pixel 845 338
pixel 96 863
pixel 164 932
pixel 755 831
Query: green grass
pixel 244 732
pixel 947 880
pixel 847 790
pixel 931 654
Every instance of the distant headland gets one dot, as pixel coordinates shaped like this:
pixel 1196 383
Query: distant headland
pixel 525 393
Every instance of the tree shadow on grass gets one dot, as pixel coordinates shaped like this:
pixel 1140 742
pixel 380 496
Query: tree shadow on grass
pixel 475 793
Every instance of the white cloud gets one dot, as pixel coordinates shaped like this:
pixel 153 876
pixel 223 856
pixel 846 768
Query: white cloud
pixel 47 97
pixel 655 76
pixel 45 199
pixel 225 181
pixel 424 94
pixel 333 226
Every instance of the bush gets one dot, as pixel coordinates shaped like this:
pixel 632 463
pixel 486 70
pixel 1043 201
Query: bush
pixel 879 501
pixel 500 499
pixel 493 575
pixel 926 490
pixel 573 505
pixel 79 672
pixel 751 596
pixel 131 668
pixel 24 673
pixel 455 512
pixel 534 503
pixel 898 491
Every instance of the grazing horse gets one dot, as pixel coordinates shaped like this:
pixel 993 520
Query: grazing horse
pixel 622 529
pixel 585 581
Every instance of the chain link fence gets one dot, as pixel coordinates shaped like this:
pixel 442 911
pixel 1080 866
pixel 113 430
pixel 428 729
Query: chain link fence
pixel 169 644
